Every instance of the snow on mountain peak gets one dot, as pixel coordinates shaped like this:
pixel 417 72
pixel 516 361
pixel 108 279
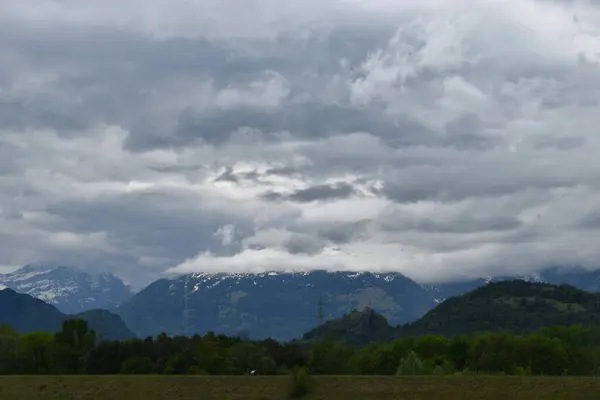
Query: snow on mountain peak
pixel 69 289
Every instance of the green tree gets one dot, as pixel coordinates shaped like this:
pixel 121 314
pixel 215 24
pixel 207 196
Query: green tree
pixel 366 360
pixel 247 356
pixel 542 355
pixel 494 352
pixel 208 356
pixel 9 341
pixel 36 353
pixel 330 357
pixel 458 351
pixel 74 343
pixel 431 346
pixel 411 364
pixel 390 355
pixel 138 365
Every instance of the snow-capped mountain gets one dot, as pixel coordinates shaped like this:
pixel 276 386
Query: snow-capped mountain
pixel 68 289
pixel 272 304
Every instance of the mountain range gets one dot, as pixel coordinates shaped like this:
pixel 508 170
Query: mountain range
pixel 68 289
pixel 514 306
pixel 271 304
pixel 25 314
pixel 274 304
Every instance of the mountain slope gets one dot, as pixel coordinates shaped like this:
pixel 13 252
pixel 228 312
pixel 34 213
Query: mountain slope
pixel 575 276
pixel 278 305
pixel 513 306
pixel 444 291
pixel 357 328
pixel 108 326
pixel 68 289
pixel 25 313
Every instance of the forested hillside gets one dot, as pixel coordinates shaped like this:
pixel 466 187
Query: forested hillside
pixel 512 306
pixel 356 328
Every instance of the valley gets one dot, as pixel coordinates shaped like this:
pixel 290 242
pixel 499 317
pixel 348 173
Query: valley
pixel 516 338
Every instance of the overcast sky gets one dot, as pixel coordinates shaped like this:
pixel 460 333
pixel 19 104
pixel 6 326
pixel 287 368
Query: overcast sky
pixel 436 138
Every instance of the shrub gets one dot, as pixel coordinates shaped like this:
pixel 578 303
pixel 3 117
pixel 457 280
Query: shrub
pixel 444 367
pixel 299 382
pixel 520 370
pixel 411 364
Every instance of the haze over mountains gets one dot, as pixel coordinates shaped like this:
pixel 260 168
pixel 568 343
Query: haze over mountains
pixel 256 305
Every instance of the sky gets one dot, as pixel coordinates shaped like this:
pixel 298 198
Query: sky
pixel 438 138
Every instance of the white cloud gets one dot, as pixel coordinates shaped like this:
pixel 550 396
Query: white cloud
pixel 437 138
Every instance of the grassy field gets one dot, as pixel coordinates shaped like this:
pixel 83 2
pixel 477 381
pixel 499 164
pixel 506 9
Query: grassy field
pixel 272 388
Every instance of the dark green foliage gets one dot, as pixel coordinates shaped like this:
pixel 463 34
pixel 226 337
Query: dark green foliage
pixel 331 358
pixel 73 346
pixel 356 328
pixel 299 382
pixel 509 306
pixel 36 352
pixel 9 342
pixel 138 365
pixel 552 351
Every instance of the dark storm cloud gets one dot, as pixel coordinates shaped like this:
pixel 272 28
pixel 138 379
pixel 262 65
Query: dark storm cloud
pixel 229 176
pixel 154 134
pixel 315 193
pixel 323 192
pixel 297 244
pixel 340 233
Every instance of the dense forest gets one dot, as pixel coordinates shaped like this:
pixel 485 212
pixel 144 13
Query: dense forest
pixel 76 350
pixel 510 306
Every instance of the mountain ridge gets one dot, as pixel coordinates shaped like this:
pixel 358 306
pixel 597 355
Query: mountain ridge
pixel 357 328
pixel 282 305
pixel 515 306
pixel 71 290
pixel 510 306
pixel 579 277
pixel 25 314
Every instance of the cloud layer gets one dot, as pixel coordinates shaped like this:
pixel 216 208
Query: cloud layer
pixel 437 138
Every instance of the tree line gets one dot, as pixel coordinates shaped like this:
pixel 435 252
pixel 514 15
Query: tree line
pixel 76 350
